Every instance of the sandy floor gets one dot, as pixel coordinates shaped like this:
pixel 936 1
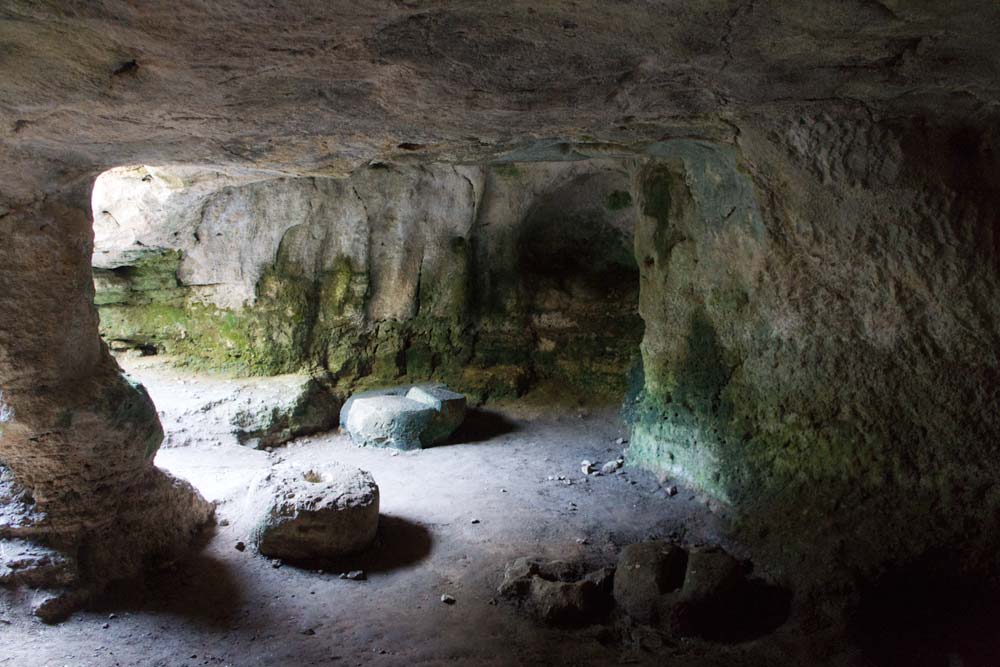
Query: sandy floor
pixel 226 607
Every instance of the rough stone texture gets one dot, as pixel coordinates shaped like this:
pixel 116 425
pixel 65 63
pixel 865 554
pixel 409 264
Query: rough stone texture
pixel 646 572
pixel 710 575
pixel 294 406
pixel 27 564
pixel 403 417
pixel 390 421
pixel 345 410
pixel 824 360
pixel 449 410
pixel 663 585
pixel 834 349
pixel 78 437
pixel 400 271
pixel 317 513
pixel 558 592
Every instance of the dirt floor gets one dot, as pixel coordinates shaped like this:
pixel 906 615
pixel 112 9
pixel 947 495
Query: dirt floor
pixel 229 607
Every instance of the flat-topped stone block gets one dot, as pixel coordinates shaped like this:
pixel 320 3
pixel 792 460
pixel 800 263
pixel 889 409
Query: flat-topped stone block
pixel 449 406
pixel 390 421
pixel 345 409
pixel 403 417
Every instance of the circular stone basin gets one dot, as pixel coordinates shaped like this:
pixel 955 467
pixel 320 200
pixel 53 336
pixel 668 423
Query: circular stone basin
pixel 319 512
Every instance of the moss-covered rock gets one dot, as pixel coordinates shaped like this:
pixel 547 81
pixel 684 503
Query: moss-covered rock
pixel 786 373
pixel 380 281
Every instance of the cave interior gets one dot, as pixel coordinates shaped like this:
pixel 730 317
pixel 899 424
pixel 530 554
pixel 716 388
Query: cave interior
pixel 558 332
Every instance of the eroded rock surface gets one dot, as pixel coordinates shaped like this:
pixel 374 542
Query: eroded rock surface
pixel 648 571
pixel 322 512
pixel 415 272
pixel 558 592
pixel 300 405
pixel 685 592
pixel 77 436
pixel 403 417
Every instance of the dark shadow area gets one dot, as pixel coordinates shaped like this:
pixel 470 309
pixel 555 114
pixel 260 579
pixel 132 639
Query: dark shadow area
pixel 916 618
pixel 398 543
pixel 576 264
pixel 481 425
pixel 753 610
pixel 200 587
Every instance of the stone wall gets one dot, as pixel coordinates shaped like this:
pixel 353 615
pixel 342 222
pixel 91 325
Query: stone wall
pixel 826 362
pixel 491 279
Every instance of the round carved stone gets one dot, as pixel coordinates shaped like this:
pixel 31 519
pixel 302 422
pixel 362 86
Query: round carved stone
pixel 319 512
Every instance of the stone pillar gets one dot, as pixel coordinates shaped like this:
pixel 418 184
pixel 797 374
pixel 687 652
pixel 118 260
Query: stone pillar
pixel 81 503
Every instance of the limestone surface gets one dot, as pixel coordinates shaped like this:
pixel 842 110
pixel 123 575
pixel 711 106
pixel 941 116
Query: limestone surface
pixel 449 410
pixel 390 421
pixel 647 571
pixel 294 406
pixel 661 584
pixel 403 418
pixel 374 277
pixel 558 592
pixel 317 513
pixel 78 436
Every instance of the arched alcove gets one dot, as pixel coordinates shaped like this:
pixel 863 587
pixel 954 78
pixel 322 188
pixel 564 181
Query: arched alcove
pixel 580 282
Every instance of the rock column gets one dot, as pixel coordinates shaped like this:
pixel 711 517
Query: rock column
pixel 81 502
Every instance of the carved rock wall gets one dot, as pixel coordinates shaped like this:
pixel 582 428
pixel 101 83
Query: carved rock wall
pixel 489 278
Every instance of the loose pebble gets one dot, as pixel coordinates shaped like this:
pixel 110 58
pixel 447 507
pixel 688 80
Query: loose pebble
pixel 611 467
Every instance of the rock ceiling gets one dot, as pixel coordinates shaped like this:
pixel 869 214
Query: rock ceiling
pixel 325 86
